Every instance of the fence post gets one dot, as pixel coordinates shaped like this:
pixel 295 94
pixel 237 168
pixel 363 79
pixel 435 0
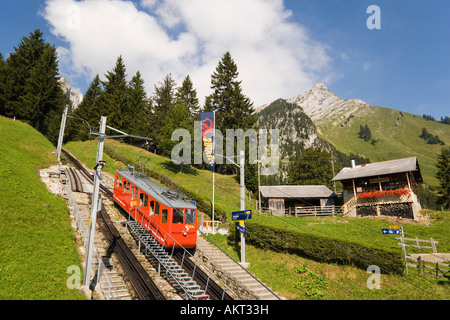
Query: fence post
pixel 404 250
pixel 420 266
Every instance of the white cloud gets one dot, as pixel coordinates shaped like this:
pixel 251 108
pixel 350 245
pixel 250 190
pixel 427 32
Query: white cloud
pixel 276 57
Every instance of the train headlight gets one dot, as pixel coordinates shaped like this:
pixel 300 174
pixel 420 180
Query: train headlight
pixel 184 233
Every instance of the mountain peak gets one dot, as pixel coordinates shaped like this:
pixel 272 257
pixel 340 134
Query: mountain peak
pixel 320 85
pixel 320 102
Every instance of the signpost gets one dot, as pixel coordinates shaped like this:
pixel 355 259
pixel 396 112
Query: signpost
pixel 241 215
pixel 241 228
pixel 392 230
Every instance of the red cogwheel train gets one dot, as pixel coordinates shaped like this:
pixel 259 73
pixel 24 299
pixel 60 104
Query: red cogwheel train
pixel 167 215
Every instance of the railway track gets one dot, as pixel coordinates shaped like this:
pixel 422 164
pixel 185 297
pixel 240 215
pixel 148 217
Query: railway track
pixel 142 286
pixel 77 186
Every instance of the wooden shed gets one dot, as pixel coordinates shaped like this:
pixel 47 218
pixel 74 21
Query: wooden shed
pixel 296 200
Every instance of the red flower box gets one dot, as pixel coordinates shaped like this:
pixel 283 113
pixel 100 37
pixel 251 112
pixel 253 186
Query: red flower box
pixel 377 194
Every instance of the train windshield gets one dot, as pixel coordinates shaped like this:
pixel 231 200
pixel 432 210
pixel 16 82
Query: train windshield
pixel 177 215
pixel 190 216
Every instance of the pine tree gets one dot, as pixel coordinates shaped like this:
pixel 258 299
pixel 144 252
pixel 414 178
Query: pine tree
pixel 178 118
pixel 87 114
pixel 233 110
pixel 115 94
pixel 187 95
pixel 312 168
pixel 163 101
pixel 44 99
pixel 2 85
pixel 17 69
pixel 443 175
pixel 137 116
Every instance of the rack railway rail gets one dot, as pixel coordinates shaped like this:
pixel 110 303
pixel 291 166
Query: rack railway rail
pixel 144 286
pixel 142 283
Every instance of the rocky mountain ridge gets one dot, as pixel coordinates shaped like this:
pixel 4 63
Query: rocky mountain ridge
pixel 75 96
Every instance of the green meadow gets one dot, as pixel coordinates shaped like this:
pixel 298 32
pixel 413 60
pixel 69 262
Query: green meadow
pixel 37 242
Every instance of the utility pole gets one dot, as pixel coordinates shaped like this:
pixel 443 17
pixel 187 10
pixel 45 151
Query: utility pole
pixel 242 185
pixel 95 194
pixel 61 131
pixel 98 168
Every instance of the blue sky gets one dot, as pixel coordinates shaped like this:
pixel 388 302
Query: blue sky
pixel 404 65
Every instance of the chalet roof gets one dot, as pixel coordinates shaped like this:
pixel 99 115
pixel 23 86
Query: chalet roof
pixel 379 169
pixel 318 191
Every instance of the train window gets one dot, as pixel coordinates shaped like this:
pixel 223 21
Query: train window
pixel 152 208
pixel 190 215
pixel 164 216
pixel 177 215
pixel 119 181
pixel 128 186
pixel 143 200
pixel 125 186
pixel 132 193
pixel 157 208
pixel 136 193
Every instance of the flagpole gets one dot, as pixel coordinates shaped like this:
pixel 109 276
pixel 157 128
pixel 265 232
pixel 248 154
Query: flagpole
pixel 214 167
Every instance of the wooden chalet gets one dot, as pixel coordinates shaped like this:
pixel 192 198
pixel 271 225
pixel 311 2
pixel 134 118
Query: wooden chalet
pixel 381 188
pixel 297 200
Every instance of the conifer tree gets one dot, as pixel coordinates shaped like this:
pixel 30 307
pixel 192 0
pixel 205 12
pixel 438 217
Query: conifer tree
pixel 115 94
pixel 17 69
pixel 312 168
pixel 187 95
pixel 443 175
pixel 164 98
pixel 178 118
pixel 137 116
pixel 87 114
pixel 233 110
pixel 44 99
pixel 163 101
pixel 2 85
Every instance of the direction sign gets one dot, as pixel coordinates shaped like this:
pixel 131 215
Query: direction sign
pixel 241 228
pixel 391 231
pixel 241 215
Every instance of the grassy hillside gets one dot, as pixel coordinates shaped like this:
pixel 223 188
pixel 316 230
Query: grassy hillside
pixel 37 240
pixel 397 133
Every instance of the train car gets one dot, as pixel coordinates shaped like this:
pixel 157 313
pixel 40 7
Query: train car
pixel 167 215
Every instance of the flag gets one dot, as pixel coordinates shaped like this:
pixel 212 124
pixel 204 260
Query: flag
pixel 207 119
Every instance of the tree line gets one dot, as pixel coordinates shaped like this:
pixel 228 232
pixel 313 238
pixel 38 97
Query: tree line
pixel 30 91
pixel 29 85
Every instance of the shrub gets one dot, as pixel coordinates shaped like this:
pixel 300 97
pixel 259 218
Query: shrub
pixel 321 249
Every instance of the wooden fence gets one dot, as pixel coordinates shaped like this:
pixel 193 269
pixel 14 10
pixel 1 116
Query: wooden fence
pixel 436 264
pixel 303 211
